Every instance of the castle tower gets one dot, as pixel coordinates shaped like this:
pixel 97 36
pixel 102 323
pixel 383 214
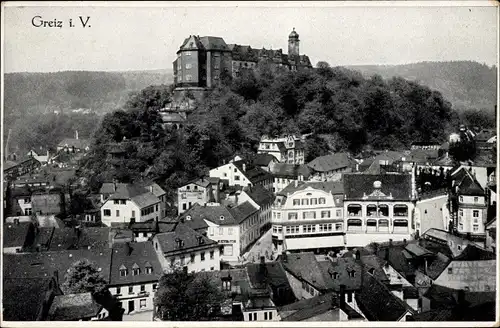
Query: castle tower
pixel 293 43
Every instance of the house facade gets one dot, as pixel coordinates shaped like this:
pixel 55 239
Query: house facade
pixel 308 216
pixel 331 167
pixel 200 192
pixel 287 149
pixel 377 208
pixel 240 173
pixel 284 174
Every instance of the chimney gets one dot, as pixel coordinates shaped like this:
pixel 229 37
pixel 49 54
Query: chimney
pixel 76 134
pixel 262 265
pixel 185 269
pixel 387 250
pixel 296 183
pixel 129 248
pixel 342 296
pixel 114 185
pixel 405 242
pixel 244 167
pixel 357 255
pixel 151 189
pixel 16 221
pixel 461 298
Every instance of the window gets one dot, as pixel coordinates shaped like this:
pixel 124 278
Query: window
pixel 116 202
pixel 476 199
pixel 130 289
pixel 221 231
pixel 460 226
pixel 475 228
pixel 187 53
pixel 136 271
pixel 325 214
pixel 188 66
pixel 211 231
pixel 461 199
pixel 255 316
pixel 117 213
pixel 296 202
pixel 450 270
pixel 265 315
pixel 172 261
pixel 118 290
pixel 155 286
pixel 142 303
pixel 123 272
pixel 192 258
pixel 202 255
pixel 230 231
pixel 322 200
pixel 133 214
pixel 123 201
pixel 107 212
pixel 143 288
pixel 149 270
pixel 309 215
pixel 338 226
pixel 305 201
pixel 237 177
pixel 211 255
pixel 292 216
pixel 314 201
pixel 27 200
pixel 250 317
pixel 349 297
pixel 270 316
pixel 216 77
pixel 475 213
pixel 27 211
pixel 338 213
pixel 188 77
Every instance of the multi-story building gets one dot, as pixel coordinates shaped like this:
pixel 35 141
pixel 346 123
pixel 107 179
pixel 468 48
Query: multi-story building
pixel 331 167
pixel 133 276
pixel 202 62
pixel 284 174
pixel 377 207
pixel 128 203
pixel 287 149
pixel 182 247
pixel 308 216
pixel 201 191
pixel 240 173
pixel 469 205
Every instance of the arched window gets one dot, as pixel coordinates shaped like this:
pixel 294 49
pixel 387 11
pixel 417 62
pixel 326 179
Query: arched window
pixel 371 210
pixel 401 210
pixel 383 210
pixel 383 225
pixel 354 210
pixel 400 226
pixel 371 225
pixel 354 225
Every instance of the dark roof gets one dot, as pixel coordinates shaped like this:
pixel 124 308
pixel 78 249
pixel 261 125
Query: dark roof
pixel 377 303
pixel 43 264
pixel 332 162
pixel 263 159
pixel 474 253
pixel 213 43
pixel 311 307
pixel 77 143
pixel 444 297
pixel 219 215
pixel 304 266
pixel 15 235
pixel 190 238
pixel 438 265
pixel 486 134
pixel 418 251
pixel 271 274
pixel 481 312
pixel 293 171
pixel 333 187
pixel 358 186
pixel 410 292
pixel 70 238
pixel 73 307
pixel 340 267
pixel 260 195
pixel 138 194
pixel 129 255
pixel 254 174
pixel 241 212
pixel 25 297
pixel 469 186
pixel 376 263
pixel 396 258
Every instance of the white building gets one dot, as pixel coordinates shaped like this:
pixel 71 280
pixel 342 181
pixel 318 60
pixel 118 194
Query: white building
pixel 200 191
pixel 287 149
pixel 378 207
pixel 284 174
pixel 240 173
pixel 183 247
pixel 128 203
pixel 308 216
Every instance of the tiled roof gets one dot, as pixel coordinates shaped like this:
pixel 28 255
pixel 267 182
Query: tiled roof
pixel 73 307
pixel 357 186
pixel 145 200
pixel 189 237
pixel 15 235
pixel 449 242
pixel 376 263
pixel 272 274
pixel 263 159
pixel 219 215
pixel 260 195
pixel 254 174
pixel 213 43
pixel 139 255
pixel 325 305
pixel 486 134
pixel 285 170
pixel 77 143
pixel 43 264
pixel 438 265
pixel 333 187
pixel 340 267
pixel 25 297
pixel 377 303
pixel 474 253
pixel 155 189
pixel 390 156
pixel 469 186
pixel 202 182
pixel 305 267
pixel 332 162
pixel 396 259
pixel 410 292
pixel 444 297
pixel 241 212
pixel 418 251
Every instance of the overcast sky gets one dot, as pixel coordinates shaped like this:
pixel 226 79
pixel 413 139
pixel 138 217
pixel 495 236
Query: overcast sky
pixel 133 38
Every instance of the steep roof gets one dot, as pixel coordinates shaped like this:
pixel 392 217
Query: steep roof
pixel 438 265
pixel 271 274
pixel 134 255
pixel 332 162
pixel 338 272
pixel 73 307
pixel 469 186
pixel 377 302
pixel 25 297
pixel 213 43
pixel 305 267
pixel 359 186
pixel 189 237
pixel 254 174
pixel 445 297
pixel 138 194
pixel 285 170
pixel 218 214
pixel 263 159
pixel 260 195
pixel 241 212
pixel 15 234
pixel 474 253
pixel 309 308
pixel 77 143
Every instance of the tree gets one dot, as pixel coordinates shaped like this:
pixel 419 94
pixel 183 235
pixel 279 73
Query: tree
pixel 83 277
pixel 186 297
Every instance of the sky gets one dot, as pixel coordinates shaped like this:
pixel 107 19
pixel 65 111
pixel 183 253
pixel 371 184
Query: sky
pixel 130 37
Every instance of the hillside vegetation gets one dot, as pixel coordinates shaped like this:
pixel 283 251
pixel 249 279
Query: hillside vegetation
pixel 466 84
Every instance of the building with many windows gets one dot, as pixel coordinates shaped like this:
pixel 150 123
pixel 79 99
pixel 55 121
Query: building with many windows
pixel 308 216
pixel 201 191
pixel 377 207
pixel 287 149
pixel 243 174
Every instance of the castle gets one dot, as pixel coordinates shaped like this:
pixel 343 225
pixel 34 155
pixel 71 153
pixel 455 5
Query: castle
pixel 202 61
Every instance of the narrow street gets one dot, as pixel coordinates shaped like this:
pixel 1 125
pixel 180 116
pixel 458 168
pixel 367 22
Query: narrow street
pixel 262 247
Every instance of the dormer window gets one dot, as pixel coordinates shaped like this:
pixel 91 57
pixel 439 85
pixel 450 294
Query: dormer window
pixel 351 273
pixel 123 271
pixel 180 243
pixel 188 217
pixel 221 218
pixel 201 240
pixel 149 268
pixel 334 275
pixel 135 270
pixel 371 271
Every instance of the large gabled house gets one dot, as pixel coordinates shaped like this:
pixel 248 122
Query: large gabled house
pixel 240 173
pixel 331 167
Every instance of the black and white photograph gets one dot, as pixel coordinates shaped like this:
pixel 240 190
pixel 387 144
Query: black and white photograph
pixel 206 164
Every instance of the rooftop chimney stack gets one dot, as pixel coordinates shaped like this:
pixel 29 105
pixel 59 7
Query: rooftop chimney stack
pixel 76 134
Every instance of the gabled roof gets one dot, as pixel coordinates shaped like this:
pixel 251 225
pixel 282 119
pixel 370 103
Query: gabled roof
pixel 469 186
pixel 293 171
pixel 140 255
pixel 304 266
pixel 271 274
pixel 218 214
pixel 333 187
pixel 485 134
pixel 73 307
pixel 263 159
pixel 77 143
pixel 141 196
pixel 189 237
pixel 474 253
pixel 241 212
pixel 260 195
pixel 213 43
pixel 16 234
pixel 361 186
pixel 332 162
pixel 325 305
pixel 377 303
pixel 155 189
pixel 438 265
pixel 338 272
pixel 254 174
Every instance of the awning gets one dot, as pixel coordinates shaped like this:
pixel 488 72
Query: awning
pixel 314 242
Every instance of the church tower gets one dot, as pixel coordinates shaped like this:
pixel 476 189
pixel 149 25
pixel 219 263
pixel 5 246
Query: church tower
pixel 293 43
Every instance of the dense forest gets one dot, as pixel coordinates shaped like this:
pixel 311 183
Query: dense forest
pixel 342 110
pixel 466 84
